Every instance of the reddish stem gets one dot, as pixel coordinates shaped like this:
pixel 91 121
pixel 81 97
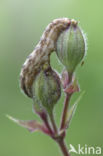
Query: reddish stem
pixel 43 116
pixel 65 110
pixel 53 123
pixel 63 148
pixel 48 126
pixel 66 103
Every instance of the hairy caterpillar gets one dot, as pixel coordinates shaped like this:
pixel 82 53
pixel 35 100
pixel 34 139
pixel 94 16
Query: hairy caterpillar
pixel 41 53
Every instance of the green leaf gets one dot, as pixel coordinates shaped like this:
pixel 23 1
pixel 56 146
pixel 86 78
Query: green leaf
pixel 72 110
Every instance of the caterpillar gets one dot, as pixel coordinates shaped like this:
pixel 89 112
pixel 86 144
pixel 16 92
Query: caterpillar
pixel 41 53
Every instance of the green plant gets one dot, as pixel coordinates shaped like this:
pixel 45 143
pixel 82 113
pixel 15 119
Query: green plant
pixel 41 83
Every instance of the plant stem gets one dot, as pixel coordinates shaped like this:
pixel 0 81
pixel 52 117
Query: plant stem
pixel 66 103
pixel 53 123
pixel 45 120
pixel 48 126
pixel 65 110
pixel 63 147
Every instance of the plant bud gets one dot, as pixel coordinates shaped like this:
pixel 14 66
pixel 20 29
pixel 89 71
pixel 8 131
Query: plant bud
pixel 71 47
pixel 47 89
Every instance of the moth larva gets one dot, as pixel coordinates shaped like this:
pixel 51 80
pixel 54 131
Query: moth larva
pixel 41 53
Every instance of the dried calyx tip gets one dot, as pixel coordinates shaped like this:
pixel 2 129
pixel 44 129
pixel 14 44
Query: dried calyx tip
pixel 74 22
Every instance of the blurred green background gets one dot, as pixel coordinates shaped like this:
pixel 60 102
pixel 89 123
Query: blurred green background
pixel 21 25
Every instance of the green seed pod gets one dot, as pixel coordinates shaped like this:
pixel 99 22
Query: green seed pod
pixel 47 89
pixel 71 47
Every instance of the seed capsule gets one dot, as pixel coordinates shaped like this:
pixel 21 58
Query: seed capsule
pixel 47 88
pixel 71 47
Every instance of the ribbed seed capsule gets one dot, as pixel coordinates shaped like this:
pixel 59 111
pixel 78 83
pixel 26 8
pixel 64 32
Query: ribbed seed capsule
pixel 71 47
pixel 47 89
